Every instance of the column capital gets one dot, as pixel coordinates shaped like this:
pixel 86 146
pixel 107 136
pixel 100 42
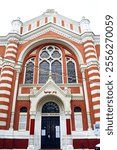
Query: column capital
pixel 13 37
pixel 32 114
pixel 96 63
pixel 18 67
pixel 83 67
pixel 8 62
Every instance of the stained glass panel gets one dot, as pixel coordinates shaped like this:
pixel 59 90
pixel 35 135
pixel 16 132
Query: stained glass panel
pixel 50 107
pixel 29 73
pixel 57 72
pixel 71 72
pixel 43 71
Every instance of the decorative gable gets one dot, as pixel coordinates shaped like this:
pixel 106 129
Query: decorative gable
pixel 50 89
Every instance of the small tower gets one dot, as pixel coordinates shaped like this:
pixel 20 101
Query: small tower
pixel 85 25
pixel 16 26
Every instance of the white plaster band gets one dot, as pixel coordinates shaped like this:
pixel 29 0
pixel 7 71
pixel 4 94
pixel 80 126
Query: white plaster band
pixel 95 99
pixel 11 50
pixel 95 107
pixel 6 72
pixel 4 107
pixel 4 99
pixel 5 92
pixel 12 44
pixel 88 44
pixel 90 54
pixel 6 79
pixel 8 67
pixel 93 71
pixel 89 48
pixel 5 85
pixel 94 84
pixel 97 115
pixel 91 59
pixel 2 123
pixel 94 77
pixel 3 115
pixel 95 91
pixel 10 54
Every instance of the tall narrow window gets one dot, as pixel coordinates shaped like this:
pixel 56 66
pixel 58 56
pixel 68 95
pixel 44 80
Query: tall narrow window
pixel 71 72
pixel 43 71
pixel 23 118
pixel 78 118
pixel 50 61
pixel 29 71
pixel 57 71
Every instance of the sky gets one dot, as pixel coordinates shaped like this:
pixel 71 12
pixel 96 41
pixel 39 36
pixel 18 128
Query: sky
pixel 28 9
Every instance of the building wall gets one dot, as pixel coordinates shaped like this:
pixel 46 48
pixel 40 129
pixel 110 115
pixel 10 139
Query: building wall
pixel 76 41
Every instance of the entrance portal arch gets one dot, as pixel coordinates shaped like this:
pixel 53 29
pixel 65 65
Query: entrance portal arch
pixel 50 123
pixel 50 126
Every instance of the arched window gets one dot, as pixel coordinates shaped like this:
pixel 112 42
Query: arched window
pixel 43 71
pixel 29 73
pixel 78 118
pixel 57 71
pixel 71 71
pixel 23 118
pixel 50 61
pixel 50 107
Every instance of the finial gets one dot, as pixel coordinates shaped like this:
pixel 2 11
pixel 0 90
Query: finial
pixel 50 11
pixel 83 17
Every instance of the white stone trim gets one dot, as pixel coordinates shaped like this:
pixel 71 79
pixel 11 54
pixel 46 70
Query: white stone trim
pixel 6 79
pixel 89 54
pixel 51 39
pixel 88 44
pixel 5 92
pixel 6 72
pixel 94 84
pixel 12 44
pixel 89 48
pixel 4 107
pixel 97 115
pixel 3 115
pixel 91 59
pixel 96 107
pixel 95 99
pixel 95 91
pixel 93 71
pixel 2 123
pixel 3 99
pixel 5 85
pixel 94 77
pixel 11 50
pixel 10 54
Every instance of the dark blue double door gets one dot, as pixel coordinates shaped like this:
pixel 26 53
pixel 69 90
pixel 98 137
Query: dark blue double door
pixel 50 132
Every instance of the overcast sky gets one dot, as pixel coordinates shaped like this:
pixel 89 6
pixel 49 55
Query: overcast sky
pixel 28 9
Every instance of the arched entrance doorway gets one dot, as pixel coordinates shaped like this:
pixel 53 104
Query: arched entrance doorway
pixel 50 126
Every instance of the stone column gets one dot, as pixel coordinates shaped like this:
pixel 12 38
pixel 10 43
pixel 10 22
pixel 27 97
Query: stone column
pixel 6 84
pixel 86 97
pixel 14 97
pixel 93 76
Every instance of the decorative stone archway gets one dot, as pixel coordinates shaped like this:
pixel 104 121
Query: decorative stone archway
pixel 50 92
pixel 38 119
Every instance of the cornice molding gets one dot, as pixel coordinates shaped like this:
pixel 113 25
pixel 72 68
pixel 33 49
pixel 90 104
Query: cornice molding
pixel 90 36
pixel 46 28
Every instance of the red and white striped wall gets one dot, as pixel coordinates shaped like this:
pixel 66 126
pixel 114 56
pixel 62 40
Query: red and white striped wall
pixel 6 80
pixel 94 77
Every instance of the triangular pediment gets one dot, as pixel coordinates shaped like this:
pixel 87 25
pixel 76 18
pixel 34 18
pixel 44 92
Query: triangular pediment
pixel 50 88
pixel 50 27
